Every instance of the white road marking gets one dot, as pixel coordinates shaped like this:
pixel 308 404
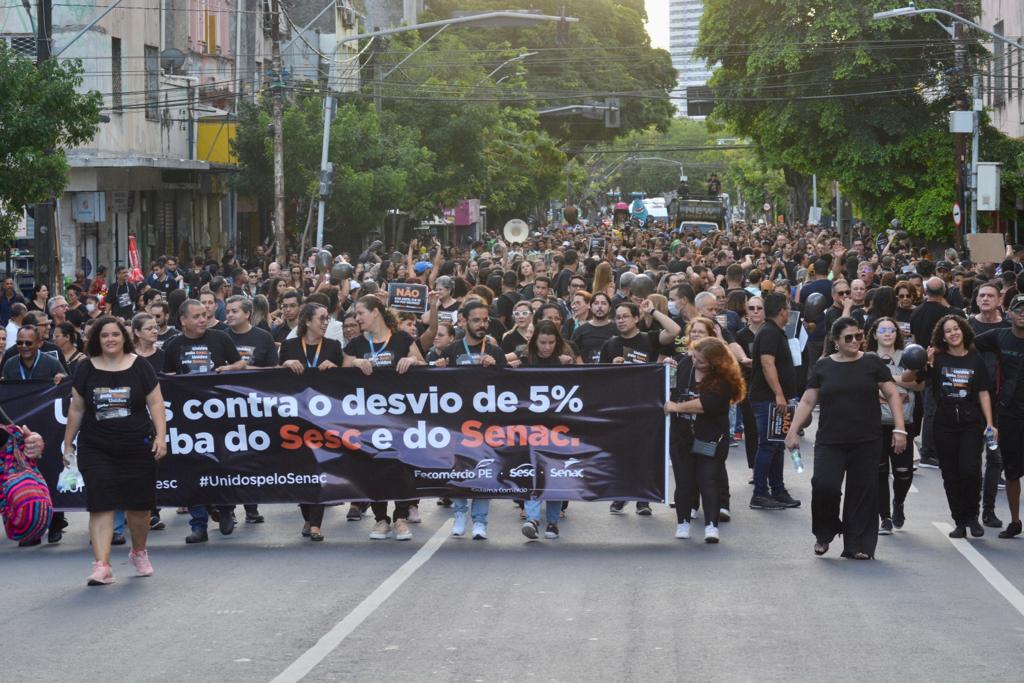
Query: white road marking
pixel 298 669
pixel 985 568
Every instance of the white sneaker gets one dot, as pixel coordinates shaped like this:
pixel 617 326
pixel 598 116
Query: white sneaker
pixel 479 531
pixel 711 534
pixel 693 513
pixel 724 515
pixel 380 531
pixel 459 525
pixel 414 515
pixel 683 530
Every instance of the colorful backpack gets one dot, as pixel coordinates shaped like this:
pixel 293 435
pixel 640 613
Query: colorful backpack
pixel 25 503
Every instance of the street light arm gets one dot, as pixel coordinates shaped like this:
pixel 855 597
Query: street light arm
pixel 909 11
pixel 483 18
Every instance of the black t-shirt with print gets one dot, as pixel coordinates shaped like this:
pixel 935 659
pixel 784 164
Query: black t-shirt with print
pixel 456 353
pixel 311 356
pixel 643 347
pixel 256 347
pixel 848 396
pixel 591 338
pixel 955 382
pixel 383 355
pixel 187 356
pixel 115 402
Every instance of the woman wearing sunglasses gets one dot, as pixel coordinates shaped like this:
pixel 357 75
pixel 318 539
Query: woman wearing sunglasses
pixel 963 411
pixel 886 341
pixel 848 441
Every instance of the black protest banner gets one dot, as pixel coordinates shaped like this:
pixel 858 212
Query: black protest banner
pixel 573 433
pixel 407 297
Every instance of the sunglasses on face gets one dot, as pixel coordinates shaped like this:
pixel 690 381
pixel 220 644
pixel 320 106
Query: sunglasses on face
pixel 856 336
pixel 24 342
pixel 905 295
pixel 844 293
pixel 886 330
pixel 755 308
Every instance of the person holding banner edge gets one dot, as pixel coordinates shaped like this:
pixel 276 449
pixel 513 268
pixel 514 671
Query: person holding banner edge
pixel 116 399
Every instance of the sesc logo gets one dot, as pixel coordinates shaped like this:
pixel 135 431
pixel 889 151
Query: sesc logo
pixel 525 470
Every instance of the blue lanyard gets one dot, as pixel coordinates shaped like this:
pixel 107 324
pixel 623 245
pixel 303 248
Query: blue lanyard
pixel 373 350
pixel 316 356
pixel 31 370
pixel 468 352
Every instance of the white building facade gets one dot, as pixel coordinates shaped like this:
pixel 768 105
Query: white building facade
pixel 684 29
pixel 1003 82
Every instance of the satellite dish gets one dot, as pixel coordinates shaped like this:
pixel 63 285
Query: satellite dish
pixel 171 60
pixel 516 231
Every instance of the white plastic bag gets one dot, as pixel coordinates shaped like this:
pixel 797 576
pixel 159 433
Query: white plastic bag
pixel 70 479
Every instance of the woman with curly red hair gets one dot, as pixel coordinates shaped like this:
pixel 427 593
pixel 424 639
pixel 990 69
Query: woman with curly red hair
pixel 708 381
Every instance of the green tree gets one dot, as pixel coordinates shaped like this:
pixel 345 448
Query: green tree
pixel 827 90
pixel 41 114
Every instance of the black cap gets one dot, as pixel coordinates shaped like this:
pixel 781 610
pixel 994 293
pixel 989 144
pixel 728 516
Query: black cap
pixel 944 265
pixel 1016 302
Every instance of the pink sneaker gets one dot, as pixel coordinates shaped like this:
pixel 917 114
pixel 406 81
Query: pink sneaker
pixel 140 558
pixel 101 575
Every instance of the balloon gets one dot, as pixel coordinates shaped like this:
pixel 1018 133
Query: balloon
pixel 814 307
pixel 339 272
pixel 914 357
pixel 323 261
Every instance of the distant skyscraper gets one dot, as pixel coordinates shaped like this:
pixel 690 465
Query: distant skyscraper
pixel 684 27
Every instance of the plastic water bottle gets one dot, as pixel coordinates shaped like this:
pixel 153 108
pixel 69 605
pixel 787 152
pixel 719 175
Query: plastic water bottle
pixel 990 439
pixel 798 463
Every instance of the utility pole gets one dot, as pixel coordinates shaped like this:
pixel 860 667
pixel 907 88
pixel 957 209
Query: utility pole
pixel 378 78
pixel 45 230
pixel 277 113
pixel 975 142
pixel 961 95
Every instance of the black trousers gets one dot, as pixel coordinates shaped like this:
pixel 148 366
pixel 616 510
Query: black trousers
pixel 749 430
pixel 380 510
pixel 958 449
pixel 902 473
pixel 698 478
pixel 858 463
pixel 313 513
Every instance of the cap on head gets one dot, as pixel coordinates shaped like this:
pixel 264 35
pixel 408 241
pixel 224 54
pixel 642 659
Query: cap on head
pixel 1017 303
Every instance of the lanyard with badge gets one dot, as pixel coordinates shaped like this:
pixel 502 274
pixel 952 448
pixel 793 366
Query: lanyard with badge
pixel 469 354
pixel 31 370
pixel 316 356
pixel 373 349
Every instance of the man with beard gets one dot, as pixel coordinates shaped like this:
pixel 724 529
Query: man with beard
pixel 591 335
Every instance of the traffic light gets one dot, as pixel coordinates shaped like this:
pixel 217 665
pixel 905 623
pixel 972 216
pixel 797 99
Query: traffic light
pixel 326 180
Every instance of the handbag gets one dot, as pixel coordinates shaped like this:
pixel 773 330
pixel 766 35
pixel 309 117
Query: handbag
pixel 705 448
pixel 25 503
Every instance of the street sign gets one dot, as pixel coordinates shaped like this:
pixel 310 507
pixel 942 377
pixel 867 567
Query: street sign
pixel 957 216
pixel 767 206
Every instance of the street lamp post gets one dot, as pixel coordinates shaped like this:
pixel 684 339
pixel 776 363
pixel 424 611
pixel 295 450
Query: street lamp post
pixel 958 23
pixel 506 19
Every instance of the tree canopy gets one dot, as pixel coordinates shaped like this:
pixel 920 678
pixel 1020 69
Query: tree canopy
pixel 41 113
pixel 828 90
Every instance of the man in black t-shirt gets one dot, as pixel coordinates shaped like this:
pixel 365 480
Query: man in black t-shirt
pixel 161 313
pixel 122 296
pixel 473 349
pixel 199 350
pixel 509 297
pixel 289 304
pixel 569 264
pixel 1009 404
pixel 772 381
pixel 257 349
pixel 591 335
pixel 255 346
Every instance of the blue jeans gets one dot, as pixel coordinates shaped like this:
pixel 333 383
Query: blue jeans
pixel 480 508
pixel 201 516
pixel 770 455
pixel 120 521
pixel 553 510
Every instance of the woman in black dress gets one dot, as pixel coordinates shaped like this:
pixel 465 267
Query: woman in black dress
pixel 848 441
pixel 311 349
pixel 116 401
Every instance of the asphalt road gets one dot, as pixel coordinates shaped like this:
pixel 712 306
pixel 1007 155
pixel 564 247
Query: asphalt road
pixel 617 598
